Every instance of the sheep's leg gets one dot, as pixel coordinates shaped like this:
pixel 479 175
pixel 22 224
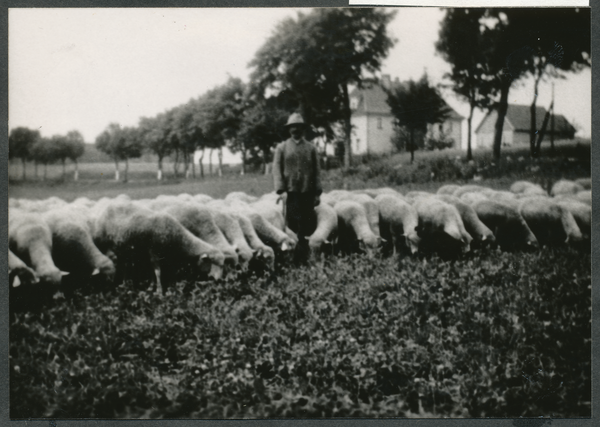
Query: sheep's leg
pixel 157 273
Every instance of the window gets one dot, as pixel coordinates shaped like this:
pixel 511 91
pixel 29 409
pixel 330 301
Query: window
pixel 353 103
pixel 379 123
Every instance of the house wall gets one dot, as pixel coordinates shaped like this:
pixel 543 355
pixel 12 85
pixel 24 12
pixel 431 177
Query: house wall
pixel 485 134
pixel 450 128
pixel 372 134
pixel 358 137
pixel 521 138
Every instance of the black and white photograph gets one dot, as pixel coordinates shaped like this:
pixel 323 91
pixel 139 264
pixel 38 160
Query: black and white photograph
pixel 283 213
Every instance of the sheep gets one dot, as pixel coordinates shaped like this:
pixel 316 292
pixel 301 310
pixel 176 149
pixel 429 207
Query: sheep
pixel 354 228
pixel 30 239
pixel 584 196
pixel 202 198
pixel 230 227
pixel 505 197
pixel 585 183
pixel 398 221
pixel 582 214
pixel 471 221
pixel 199 219
pixel 472 198
pixel 18 272
pixel 240 195
pixel 526 187
pixel 327 225
pixel 270 210
pixel 413 196
pixel 262 252
pixel 448 189
pixel 366 201
pixel 565 186
pixel 468 189
pixel 440 225
pixel 374 192
pixel 507 224
pixel 83 201
pixel 550 222
pixel 73 249
pixel 136 234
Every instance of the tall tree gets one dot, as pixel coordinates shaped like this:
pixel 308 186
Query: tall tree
pixel 317 55
pixel 415 105
pixel 76 149
pixel 121 144
pixel 20 141
pixel 62 150
pixel 154 135
pixel 461 45
pixel 43 151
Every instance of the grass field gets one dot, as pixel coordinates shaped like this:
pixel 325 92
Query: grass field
pixel 488 334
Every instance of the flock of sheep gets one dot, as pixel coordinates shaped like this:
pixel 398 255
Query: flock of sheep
pixel 204 237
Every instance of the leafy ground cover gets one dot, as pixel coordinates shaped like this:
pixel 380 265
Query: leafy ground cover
pixel 488 335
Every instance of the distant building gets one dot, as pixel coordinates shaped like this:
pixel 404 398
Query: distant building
pixel 517 124
pixel 373 122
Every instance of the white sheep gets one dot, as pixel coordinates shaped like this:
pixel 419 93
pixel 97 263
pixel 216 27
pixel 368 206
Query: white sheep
pixel 477 229
pixel 240 195
pixel 440 225
pixel 326 229
pixel 582 213
pixel 549 221
pixel 398 222
pixel 565 186
pixel 354 230
pixel 18 272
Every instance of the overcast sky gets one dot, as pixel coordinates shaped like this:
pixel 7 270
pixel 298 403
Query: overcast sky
pixel 85 68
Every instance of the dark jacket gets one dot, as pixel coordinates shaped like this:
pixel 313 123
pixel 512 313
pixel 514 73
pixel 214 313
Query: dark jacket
pixel 296 167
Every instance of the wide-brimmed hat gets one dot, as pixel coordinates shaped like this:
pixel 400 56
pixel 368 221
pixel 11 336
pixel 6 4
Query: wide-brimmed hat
pixel 295 119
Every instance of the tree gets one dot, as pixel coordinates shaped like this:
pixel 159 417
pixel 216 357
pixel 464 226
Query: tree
pixel 318 55
pixel 154 136
pixel 460 44
pixel 515 41
pixel 120 144
pixel 44 152
pixel 61 149
pixel 76 146
pixel 20 141
pixel 415 105
pixel 188 134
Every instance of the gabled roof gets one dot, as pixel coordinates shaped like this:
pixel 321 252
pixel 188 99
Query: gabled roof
pixel 372 99
pixel 520 118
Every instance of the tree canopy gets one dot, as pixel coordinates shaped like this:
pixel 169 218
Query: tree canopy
pixel 317 55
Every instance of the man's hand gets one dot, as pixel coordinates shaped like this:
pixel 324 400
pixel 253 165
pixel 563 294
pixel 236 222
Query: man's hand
pixel 317 201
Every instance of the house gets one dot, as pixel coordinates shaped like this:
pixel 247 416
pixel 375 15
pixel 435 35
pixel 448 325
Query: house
pixel 374 125
pixel 517 126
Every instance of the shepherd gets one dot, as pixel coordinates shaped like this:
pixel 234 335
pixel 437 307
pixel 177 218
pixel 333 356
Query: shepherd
pixel 296 173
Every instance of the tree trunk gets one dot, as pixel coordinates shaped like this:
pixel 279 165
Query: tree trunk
pixel 542 132
pixel 502 108
pixel 126 169
pixel 347 127
pixel 210 171
pixel 201 164
pixel 412 145
pixel 552 131
pixel 243 171
pixel 176 163
pixel 193 167
pixel 76 174
pixel 265 162
pixel 116 171
pixel 23 160
pixel 469 124
pixel 220 157
pixel 186 165
pixel 159 172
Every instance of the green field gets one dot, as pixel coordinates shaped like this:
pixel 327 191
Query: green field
pixel 488 334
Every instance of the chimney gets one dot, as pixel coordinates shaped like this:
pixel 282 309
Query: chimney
pixel 386 82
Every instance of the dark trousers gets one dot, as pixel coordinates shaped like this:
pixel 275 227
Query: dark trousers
pixel 300 213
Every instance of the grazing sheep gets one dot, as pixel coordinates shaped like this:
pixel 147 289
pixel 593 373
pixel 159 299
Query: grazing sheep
pixel 413 196
pixel 272 212
pixel 584 196
pixel 240 195
pixel 585 183
pixel 374 192
pixel 73 248
pixel 472 198
pixel 550 222
pixel 262 253
pixel 505 197
pixel 448 189
pixel 199 219
pixel 326 229
pixel 398 221
pixel 139 235
pixel 18 272
pixel 469 189
pixel 353 227
pixel 202 198
pixel 520 187
pixel 230 227
pixel 565 186
pixel 471 221
pixel 582 213
pixel 30 239
pixel 509 227
pixel 440 225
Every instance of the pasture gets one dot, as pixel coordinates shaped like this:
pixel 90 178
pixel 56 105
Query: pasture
pixel 488 334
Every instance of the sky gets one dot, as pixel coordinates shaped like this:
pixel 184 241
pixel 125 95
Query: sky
pixel 85 68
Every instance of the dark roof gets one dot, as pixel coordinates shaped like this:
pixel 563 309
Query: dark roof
pixel 373 99
pixel 519 117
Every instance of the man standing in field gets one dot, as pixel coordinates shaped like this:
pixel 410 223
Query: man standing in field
pixel 296 172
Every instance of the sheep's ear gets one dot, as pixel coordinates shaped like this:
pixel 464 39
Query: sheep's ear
pixel 64 273
pixel 307 237
pixel 96 271
pixel 16 282
pixel 327 242
pixel 203 256
pixel 284 246
pixel 383 240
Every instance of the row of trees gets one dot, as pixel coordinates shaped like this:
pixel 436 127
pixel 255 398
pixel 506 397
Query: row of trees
pixel 28 145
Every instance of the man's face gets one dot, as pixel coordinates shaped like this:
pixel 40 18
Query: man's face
pixel 296 131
